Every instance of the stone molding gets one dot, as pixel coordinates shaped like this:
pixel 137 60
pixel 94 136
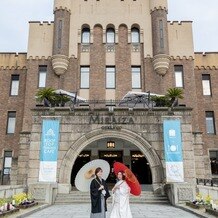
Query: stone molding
pixel 161 63
pixel 60 64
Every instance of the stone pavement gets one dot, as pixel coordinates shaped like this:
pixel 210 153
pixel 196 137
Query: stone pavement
pixel 138 211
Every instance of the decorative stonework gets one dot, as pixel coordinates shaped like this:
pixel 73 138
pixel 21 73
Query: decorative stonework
pixel 60 64
pixel 185 194
pixel 161 63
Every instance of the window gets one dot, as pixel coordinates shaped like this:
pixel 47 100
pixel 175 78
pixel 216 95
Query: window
pixel 179 76
pixel 135 38
pixel 210 122
pixel 86 35
pixel 14 85
pixel 42 76
pixel 84 83
pixel 161 34
pixel 206 84
pixel 7 167
pixel 59 34
pixel 214 162
pixel 136 77
pixel 11 122
pixel 110 78
pixel 110 35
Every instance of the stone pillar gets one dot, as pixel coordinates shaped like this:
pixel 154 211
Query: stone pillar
pixel 60 58
pixel 161 57
pixel 23 158
pixel 202 162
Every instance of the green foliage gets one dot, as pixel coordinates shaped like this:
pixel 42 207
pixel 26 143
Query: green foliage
pixel 170 99
pixel 45 93
pixel 161 101
pixel 175 93
pixel 48 94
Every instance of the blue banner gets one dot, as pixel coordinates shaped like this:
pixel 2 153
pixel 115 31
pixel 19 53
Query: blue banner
pixel 49 140
pixel 172 141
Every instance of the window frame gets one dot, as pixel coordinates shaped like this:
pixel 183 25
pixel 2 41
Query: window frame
pixel 88 72
pixel 179 69
pixel 8 119
pixel 44 72
pixel 209 80
pixel 12 80
pixel 161 29
pixel 214 122
pixel 82 35
pixel 6 168
pixel 211 161
pixel 140 76
pixel 108 32
pixel 132 31
pixel 114 73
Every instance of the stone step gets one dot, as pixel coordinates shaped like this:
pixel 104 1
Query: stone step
pixel 80 197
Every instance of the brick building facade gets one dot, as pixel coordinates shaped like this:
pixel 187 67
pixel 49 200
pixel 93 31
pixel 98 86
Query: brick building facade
pixel 87 39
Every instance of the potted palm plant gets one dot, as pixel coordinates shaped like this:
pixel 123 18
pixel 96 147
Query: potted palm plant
pixel 174 94
pixel 46 95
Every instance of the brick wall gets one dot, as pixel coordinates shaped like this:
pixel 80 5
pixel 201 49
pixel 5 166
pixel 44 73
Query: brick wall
pixel 123 63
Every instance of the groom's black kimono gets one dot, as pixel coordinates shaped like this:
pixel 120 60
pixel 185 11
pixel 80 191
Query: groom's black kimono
pixel 96 195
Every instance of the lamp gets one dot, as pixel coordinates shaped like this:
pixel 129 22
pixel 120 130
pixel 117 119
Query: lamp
pixel 110 144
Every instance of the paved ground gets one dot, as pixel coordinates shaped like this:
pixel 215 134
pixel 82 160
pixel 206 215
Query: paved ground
pixel 138 211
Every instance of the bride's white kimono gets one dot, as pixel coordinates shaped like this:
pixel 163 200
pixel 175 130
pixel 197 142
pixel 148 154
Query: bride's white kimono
pixel 120 206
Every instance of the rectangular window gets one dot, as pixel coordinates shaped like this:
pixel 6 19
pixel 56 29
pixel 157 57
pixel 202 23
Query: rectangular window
pixel 136 77
pixel 214 162
pixel 84 82
pixel 11 122
pixel 42 76
pixel 206 84
pixel 179 78
pixel 161 34
pixel 7 167
pixel 110 78
pixel 14 85
pixel 59 33
pixel 210 122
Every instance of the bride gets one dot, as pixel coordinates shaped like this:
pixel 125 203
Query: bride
pixel 121 191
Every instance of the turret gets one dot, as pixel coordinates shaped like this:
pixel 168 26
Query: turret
pixel 60 58
pixel 161 57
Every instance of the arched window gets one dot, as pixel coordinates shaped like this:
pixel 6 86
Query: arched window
pixel 135 37
pixel 110 35
pixel 86 35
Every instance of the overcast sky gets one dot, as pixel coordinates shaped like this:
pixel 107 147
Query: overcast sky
pixel 14 17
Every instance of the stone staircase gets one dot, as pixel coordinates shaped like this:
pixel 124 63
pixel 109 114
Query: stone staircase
pixel 74 197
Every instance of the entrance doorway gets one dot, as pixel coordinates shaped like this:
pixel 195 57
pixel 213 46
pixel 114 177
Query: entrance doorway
pixel 111 157
pixel 140 167
pixel 83 158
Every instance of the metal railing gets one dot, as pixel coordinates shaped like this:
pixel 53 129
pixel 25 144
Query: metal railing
pixel 208 182
pixel 137 103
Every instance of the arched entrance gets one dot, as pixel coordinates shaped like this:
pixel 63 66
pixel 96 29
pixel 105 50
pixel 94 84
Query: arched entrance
pixel 112 150
pixel 123 134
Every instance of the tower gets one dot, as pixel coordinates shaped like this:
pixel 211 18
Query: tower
pixel 60 56
pixel 158 9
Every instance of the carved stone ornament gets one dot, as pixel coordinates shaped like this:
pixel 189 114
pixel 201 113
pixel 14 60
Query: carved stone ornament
pixel 60 64
pixel 161 63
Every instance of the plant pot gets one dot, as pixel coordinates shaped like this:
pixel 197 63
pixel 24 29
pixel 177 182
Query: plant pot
pixel 4 213
pixel 195 206
pixel 27 205
pixel 212 212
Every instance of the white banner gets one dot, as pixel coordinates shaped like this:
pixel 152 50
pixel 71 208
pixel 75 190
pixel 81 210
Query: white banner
pixel 174 172
pixel 47 171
